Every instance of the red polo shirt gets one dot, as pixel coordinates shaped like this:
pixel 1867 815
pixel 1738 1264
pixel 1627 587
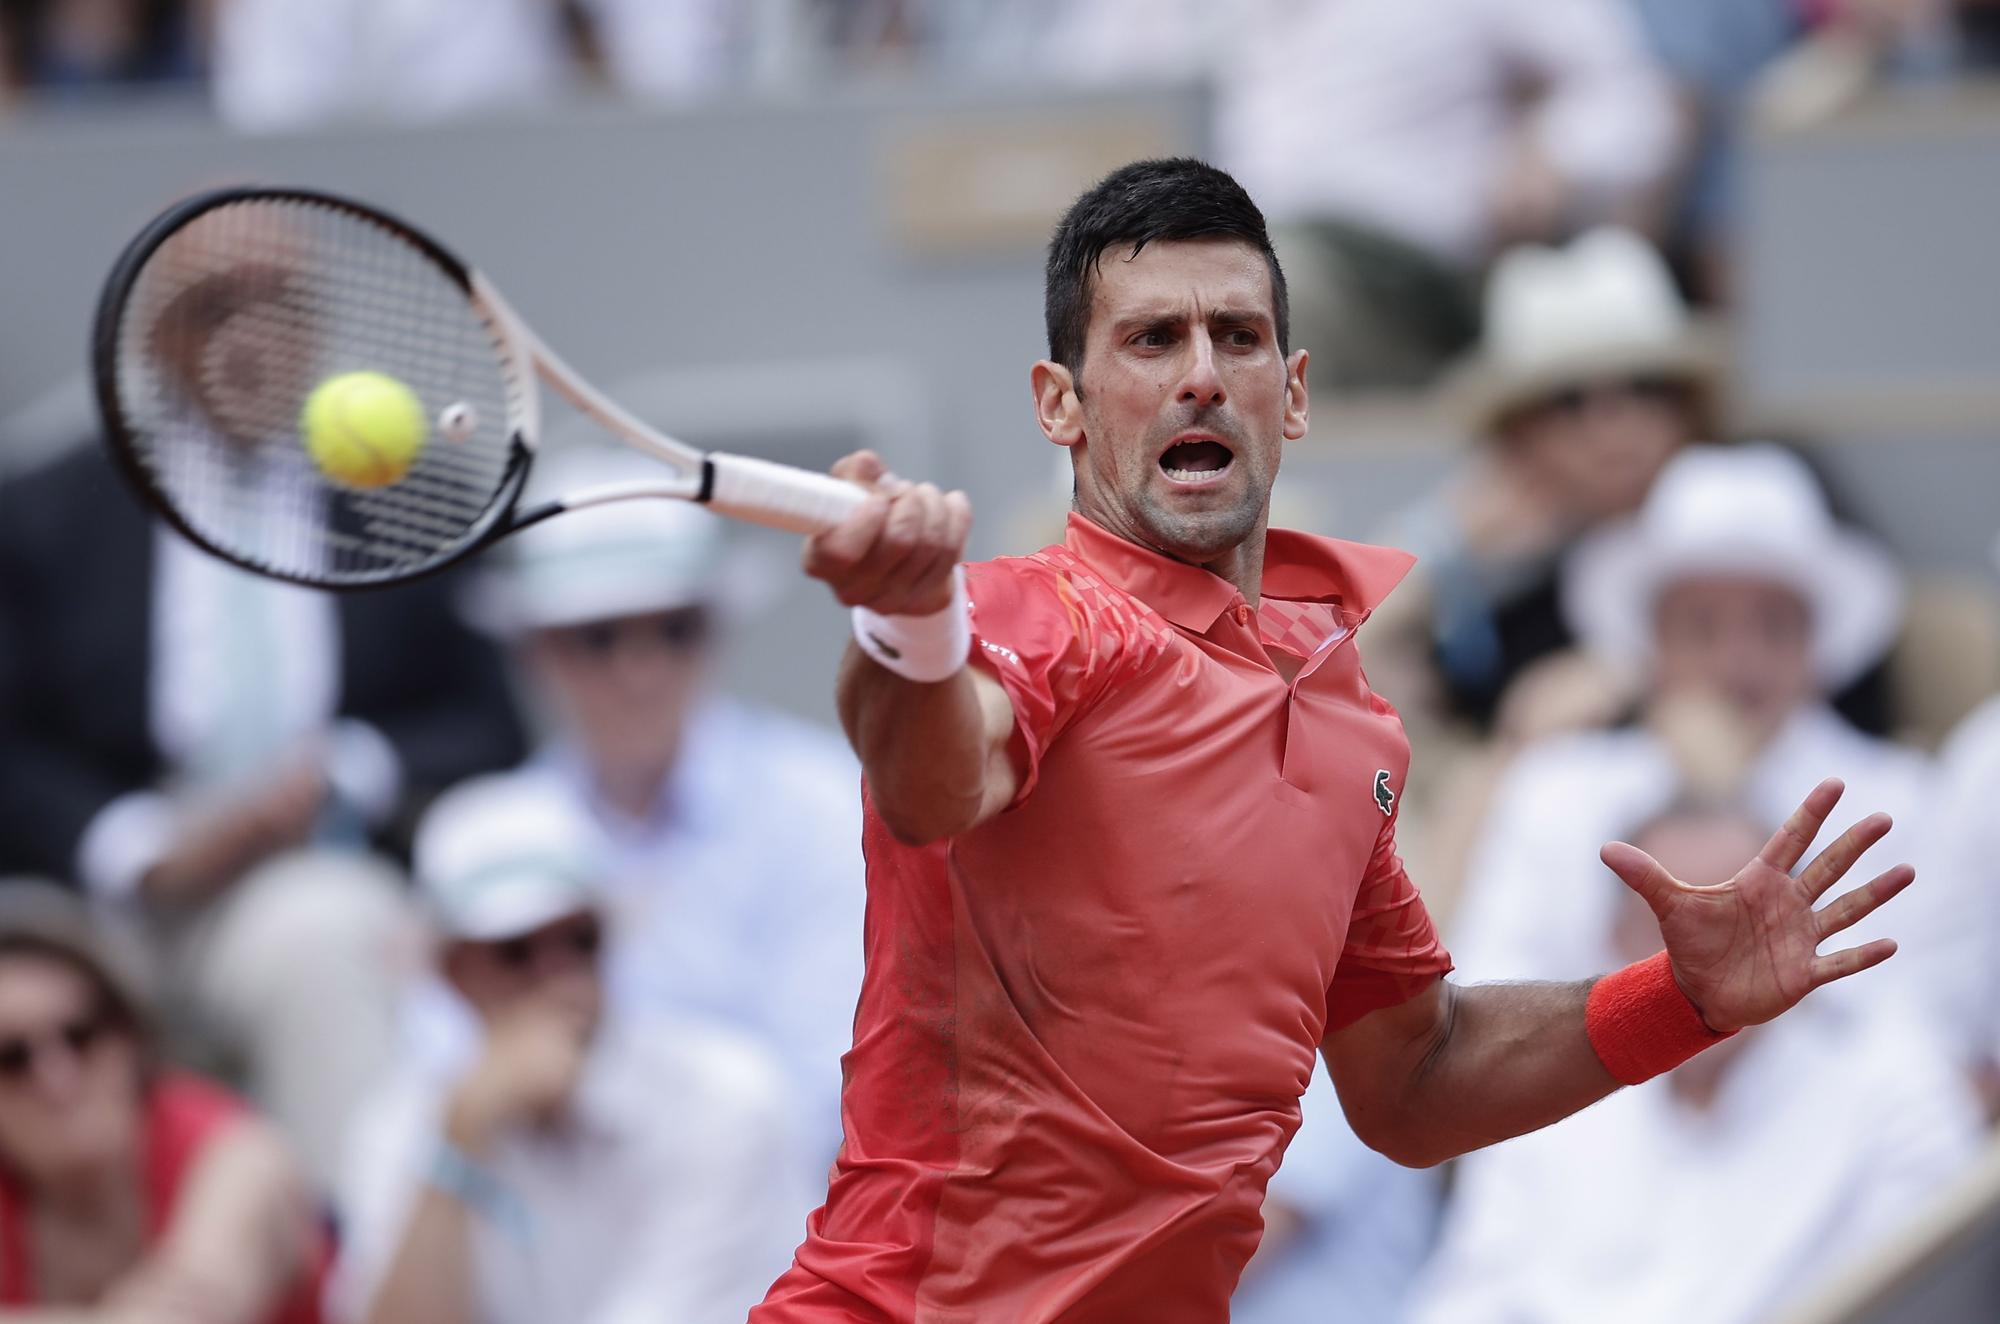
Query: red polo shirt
pixel 1086 1024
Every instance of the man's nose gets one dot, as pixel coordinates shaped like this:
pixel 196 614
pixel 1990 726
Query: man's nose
pixel 1201 385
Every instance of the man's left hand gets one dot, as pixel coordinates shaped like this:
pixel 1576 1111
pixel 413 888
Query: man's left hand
pixel 1746 951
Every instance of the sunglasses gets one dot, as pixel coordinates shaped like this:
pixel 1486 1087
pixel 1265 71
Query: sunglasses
pixel 1574 399
pixel 19 1054
pixel 675 631
pixel 580 940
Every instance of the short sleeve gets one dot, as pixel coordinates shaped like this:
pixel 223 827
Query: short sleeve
pixel 1033 633
pixel 1392 952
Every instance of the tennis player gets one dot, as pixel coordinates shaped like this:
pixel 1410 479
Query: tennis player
pixel 1130 834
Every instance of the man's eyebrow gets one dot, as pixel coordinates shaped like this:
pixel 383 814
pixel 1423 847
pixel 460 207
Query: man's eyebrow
pixel 1151 317
pixel 1241 316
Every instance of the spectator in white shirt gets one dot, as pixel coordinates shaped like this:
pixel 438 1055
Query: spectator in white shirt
pixel 1730 1186
pixel 280 65
pixel 1737 605
pixel 1963 857
pixel 733 833
pixel 1396 145
pixel 571 1165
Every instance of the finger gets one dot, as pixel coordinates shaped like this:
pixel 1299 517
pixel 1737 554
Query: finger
pixel 862 467
pixel 960 507
pixel 1640 872
pixel 1832 864
pixel 882 577
pixel 1863 900
pixel 1851 961
pixel 833 553
pixel 1789 844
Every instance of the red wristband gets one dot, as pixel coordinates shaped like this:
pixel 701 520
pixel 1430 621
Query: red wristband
pixel 1641 1024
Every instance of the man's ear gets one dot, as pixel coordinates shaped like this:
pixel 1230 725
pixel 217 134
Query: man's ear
pixel 1057 407
pixel 1295 396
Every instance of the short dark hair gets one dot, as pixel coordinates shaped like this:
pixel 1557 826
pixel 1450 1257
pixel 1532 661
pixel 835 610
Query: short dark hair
pixel 1166 199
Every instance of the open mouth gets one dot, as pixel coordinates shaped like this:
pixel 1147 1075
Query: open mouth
pixel 1196 461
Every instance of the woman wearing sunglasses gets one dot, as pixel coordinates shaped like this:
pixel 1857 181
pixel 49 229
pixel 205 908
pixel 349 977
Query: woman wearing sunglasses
pixel 129 1194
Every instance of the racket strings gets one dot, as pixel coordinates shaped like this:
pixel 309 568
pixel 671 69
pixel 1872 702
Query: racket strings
pixel 226 332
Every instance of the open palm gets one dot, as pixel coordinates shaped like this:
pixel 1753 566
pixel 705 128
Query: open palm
pixel 1746 951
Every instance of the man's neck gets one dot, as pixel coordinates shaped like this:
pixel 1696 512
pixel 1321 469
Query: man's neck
pixel 1242 565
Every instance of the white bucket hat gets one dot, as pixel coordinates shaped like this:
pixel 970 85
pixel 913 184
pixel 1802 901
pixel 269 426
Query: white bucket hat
pixel 1754 511
pixel 626 558
pixel 498 857
pixel 1604 307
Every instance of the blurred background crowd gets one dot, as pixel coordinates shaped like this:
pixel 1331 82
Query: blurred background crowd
pixel 485 949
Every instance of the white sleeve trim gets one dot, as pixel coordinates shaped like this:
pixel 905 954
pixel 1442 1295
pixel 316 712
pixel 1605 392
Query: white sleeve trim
pixel 126 839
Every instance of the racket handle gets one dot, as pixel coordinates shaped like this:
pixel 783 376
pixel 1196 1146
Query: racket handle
pixel 779 495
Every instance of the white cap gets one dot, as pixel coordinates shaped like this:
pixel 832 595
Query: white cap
pixel 627 558
pixel 1556 317
pixel 1753 511
pixel 500 856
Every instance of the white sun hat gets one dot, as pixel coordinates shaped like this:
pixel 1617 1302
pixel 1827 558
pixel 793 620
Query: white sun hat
pixel 498 857
pixel 1603 307
pixel 1754 511
pixel 627 558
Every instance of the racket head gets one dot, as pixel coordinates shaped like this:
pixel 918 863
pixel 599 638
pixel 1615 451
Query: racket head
pixel 222 318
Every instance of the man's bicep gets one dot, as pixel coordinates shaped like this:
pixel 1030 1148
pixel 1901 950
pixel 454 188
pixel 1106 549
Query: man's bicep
pixel 1376 1060
pixel 1007 754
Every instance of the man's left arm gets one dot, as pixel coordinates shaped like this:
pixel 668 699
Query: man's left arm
pixel 1457 1068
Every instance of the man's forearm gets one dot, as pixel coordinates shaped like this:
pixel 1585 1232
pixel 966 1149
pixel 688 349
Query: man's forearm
pixel 430 1277
pixel 928 749
pixel 1498 1061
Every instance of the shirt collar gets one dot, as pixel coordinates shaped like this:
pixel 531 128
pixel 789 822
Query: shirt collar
pixel 1298 567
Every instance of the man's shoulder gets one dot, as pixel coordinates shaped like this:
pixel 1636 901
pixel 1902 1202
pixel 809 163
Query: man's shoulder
pixel 717 1076
pixel 1589 756
pixel 1973 747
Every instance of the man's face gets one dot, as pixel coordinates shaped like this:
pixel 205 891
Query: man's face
pixel 622 688
pixel 1185 398
pixel 553 968
pixel 1596 448
pixel 1746 640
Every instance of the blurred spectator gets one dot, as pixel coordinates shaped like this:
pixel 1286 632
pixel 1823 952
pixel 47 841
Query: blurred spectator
pixel 733 833
pixel 128 1193
pixel 1856 45
pixel 1592 375
pixel 570 1167
pixel 1717 50
pixel 1396 145
pixel 282 65
pixel 1341 1224
pixel 1738 605
pixel 64 46
pixel 1728 1187
pixel 1962 859
pixel 210 751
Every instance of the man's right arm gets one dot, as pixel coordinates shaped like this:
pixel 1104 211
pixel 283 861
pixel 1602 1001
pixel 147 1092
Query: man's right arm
pixel 935 753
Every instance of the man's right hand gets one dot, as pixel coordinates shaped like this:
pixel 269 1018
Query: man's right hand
pixel 218 845
pixel 535 1054
pixel 895 554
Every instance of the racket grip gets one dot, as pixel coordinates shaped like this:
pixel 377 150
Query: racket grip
pixel 779 495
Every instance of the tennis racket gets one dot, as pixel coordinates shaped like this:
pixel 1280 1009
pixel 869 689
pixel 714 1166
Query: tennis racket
pixel 224 316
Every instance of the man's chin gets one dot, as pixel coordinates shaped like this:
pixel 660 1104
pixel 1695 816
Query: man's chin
pixel 1199 537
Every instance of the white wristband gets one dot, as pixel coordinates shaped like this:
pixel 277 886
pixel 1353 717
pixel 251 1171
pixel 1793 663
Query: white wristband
pixel 921 648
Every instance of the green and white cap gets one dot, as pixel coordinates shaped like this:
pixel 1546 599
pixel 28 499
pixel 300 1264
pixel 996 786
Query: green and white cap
pixel 501 856
pixel 628 558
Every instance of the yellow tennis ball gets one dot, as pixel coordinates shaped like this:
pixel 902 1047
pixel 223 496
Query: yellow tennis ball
pixel 364 429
